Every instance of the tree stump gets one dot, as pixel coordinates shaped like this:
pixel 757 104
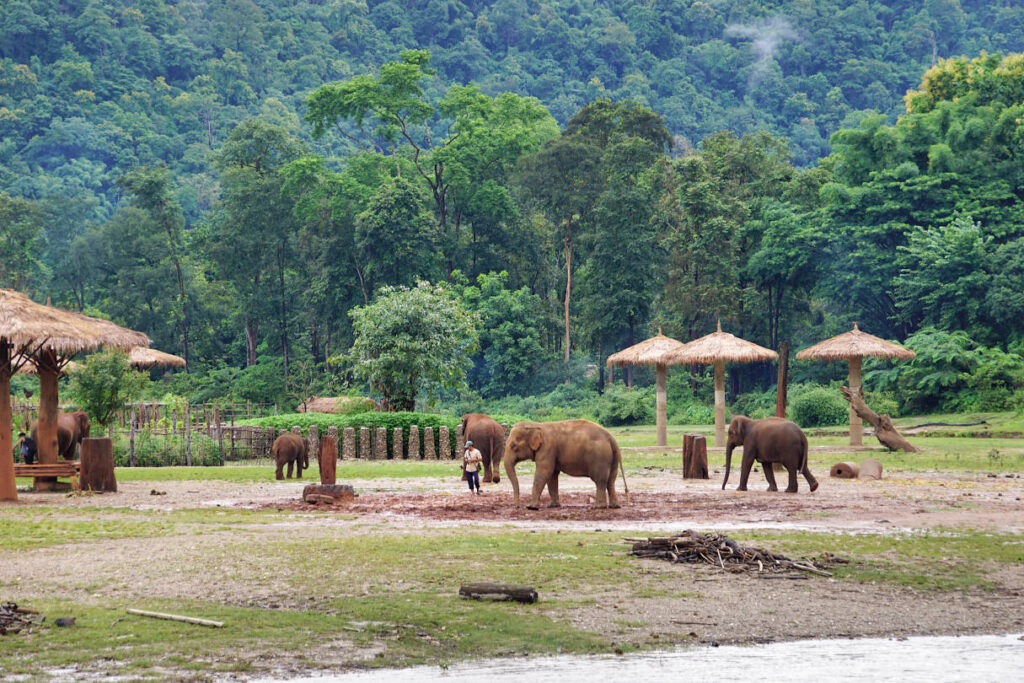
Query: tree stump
pixel 844 470
pixel 97 473
pixel 695 457
pixel 497 591
pixel 328 460
pixel 870 469
pixel 884 431
pixel 328 494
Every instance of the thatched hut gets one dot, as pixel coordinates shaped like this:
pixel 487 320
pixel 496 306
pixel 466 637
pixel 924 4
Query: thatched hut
pixel 653 351
pixel 719 348
pixel 143 357
pixel 852 347
pixel 47 337
pixel 337 405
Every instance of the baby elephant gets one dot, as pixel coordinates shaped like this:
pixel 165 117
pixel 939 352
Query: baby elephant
pixel 291 448
pixel 768 441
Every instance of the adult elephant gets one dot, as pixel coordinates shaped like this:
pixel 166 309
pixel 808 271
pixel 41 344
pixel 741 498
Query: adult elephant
pixel 768 441
pixel 71 429
pixel 291 449
pixel 578 448
pixel 488 437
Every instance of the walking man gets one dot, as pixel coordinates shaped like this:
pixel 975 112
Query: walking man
pixel 471 460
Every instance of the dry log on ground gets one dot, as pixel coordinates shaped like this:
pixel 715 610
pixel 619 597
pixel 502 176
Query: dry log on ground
pixel 97 472
pixel 870 469
pixel 13 618
pixel 844 470
pixel 176 617
pixel 327 493
pixel 497 591
pixel 721 551
pixel 884 430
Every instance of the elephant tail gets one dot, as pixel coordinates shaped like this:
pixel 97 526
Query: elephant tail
pixel 622 471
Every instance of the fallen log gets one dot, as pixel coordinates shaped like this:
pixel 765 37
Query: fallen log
pixel 885 432
pixel 497 591
pixel 176 617
pixel 844 470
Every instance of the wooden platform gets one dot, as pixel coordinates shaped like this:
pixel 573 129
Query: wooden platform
pixel 65 468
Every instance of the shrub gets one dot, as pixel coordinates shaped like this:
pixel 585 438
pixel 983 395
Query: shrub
pixel 166 451
pixel 693 414
pixel 625 406
pixel 817 406
pixel 755 404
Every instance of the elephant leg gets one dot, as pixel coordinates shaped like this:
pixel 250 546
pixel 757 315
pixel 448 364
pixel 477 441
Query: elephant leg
pixel 540 479
pixel 280 470
pixel 792 488
pixel 601 497
pixel 811 481
pixel 495 463
pixel 613 498
pixel 769 474
pixel 298 469
pixel 747 463
pixel 487 470
pixel 289 469
pixel 553 491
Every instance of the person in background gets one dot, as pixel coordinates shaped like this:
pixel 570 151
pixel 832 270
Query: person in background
pixel 471 460
pixel 28 448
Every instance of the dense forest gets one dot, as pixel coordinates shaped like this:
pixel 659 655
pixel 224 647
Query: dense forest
pixel 234 178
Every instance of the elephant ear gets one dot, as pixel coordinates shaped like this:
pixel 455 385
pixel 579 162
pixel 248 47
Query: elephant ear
pixel 83 420
pixel 535 439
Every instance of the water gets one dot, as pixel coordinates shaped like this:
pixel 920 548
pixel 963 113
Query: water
pixel 929 659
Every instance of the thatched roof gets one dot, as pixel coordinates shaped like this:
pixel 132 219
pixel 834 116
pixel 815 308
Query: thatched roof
pixel 30 369
pixel 721 346
pixel 143 357
pixel 650 352
pixel 854 344
pixel 25 323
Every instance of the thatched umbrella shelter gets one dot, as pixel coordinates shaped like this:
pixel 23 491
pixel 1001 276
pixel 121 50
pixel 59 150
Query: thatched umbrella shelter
pixel 143 357
pixel 852 346
pixel 717 349
pixel 653 351
pixel 29 369
pixel 47 337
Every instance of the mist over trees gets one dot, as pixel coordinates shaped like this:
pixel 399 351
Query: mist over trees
pixel 234 178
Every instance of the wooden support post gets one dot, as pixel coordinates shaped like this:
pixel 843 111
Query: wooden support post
pixel 783 381
pixel 661 403
pixel 97 473
pixel 856 425
pixel 188 436
pixel 719 403
pixel 131 438
pixel 8 487
pixel 328 460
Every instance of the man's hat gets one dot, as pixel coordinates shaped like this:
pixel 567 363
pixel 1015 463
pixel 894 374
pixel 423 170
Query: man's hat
pixel 469 443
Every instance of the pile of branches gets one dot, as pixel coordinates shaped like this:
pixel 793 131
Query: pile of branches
pixel 14 618
pixel 722 551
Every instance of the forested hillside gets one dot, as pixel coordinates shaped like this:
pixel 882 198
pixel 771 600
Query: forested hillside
pixel 234 177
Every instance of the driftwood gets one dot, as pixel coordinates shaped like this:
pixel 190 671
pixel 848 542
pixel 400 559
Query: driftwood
pixel 14 618
pixel 497 591
pixel 884 430
pixel 176 617
pixel 721 551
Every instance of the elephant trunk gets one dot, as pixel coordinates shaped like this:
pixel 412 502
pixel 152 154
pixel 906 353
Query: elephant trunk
pixel 728 461
pixel 510 470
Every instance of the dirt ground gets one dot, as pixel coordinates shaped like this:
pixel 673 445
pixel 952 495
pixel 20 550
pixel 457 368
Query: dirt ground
pixel 708 607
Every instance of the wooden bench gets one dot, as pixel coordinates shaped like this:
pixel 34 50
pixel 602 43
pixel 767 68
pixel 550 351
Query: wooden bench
pixel 65 468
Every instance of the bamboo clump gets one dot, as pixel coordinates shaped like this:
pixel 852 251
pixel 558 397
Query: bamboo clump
pixel 721 551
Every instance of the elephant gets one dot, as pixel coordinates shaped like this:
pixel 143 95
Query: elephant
pixel 291 448
pixel 488 437
pixel 578 448
pixel 768 441
pixel 71 429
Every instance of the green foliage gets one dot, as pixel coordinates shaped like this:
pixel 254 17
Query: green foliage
pixel 414 340
pixel 105 384
pixel 621 405
pixel 152 450
pixel 817 406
